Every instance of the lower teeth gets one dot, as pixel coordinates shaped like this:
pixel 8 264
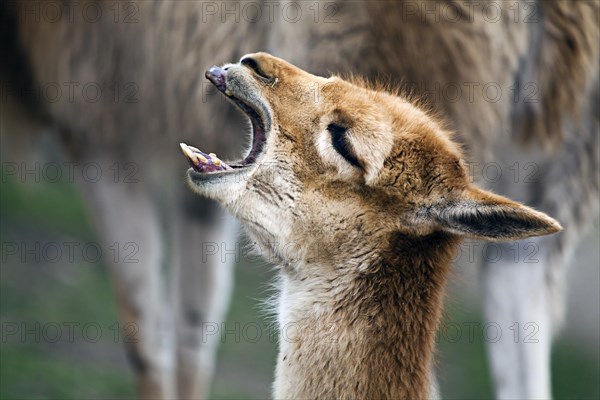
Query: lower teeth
pixel 203 162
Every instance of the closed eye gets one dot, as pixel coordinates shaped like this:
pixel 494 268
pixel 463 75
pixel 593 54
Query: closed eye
pixel 339 140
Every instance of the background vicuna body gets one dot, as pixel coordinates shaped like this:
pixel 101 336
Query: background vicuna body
pixel 520 88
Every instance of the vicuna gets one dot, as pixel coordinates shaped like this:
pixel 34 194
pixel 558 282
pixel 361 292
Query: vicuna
pixel 374 195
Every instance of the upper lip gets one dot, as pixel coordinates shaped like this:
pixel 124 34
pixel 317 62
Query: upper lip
pixel 218 77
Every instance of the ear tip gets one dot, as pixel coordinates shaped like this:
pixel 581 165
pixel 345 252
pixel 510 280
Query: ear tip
pixel 556 227
pixel 550 225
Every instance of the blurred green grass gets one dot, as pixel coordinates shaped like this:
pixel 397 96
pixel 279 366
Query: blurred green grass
pixel 81 293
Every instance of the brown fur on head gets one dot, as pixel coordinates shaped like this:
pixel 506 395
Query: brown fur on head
pixel 343 162
pixel 361 196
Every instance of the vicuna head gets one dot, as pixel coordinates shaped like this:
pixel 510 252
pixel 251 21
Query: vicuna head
pixel 362 197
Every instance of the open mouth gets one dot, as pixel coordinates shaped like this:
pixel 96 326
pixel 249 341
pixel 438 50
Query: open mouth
pixel 204 163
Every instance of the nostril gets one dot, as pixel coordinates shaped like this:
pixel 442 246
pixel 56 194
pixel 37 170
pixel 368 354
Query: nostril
pixel 249 62
pixel 253 65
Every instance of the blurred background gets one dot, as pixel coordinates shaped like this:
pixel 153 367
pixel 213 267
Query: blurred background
pixel 60 327
pixel 60 332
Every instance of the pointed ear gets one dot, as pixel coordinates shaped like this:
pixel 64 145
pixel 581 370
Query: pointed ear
pixel 485 215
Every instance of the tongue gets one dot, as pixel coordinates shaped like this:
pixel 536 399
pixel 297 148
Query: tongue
pixel 202 162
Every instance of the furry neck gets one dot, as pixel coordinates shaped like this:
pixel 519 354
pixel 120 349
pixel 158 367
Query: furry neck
pixel 368 333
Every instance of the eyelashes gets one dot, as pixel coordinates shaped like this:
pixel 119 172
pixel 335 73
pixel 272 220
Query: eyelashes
pixel 340 143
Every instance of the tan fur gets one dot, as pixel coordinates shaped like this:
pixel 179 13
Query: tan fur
pixel 545 57
pixel 362 294
pixel 556 49
pixel 432 46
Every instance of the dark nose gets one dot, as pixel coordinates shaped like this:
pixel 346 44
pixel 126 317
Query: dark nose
pixel 217 76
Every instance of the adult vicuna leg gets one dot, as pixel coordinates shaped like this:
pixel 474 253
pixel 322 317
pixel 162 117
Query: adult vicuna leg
pixel 204 252
pixel 144 106
pixel 129 228
pixel 524 286
pixel 520 298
